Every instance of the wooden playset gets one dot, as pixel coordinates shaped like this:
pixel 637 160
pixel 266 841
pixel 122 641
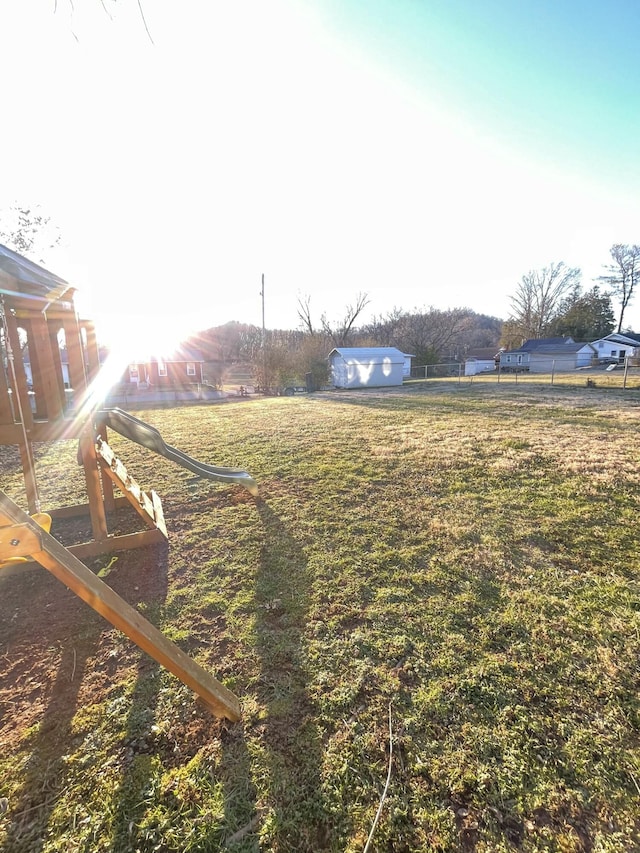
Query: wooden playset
pixel 35 307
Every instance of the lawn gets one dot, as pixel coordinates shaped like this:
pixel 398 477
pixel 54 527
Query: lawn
pixel 450 567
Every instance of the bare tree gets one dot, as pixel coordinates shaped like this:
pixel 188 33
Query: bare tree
pixel 623 275
pixel 539 296
pixel 28 231
pixel 340 333
pixel 304 313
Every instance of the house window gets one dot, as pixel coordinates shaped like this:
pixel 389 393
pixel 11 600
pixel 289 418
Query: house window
pixel 600 344
pixel 162 368
pixel 614 353
pixel 133 373
pixel 508 358
pixel 191 369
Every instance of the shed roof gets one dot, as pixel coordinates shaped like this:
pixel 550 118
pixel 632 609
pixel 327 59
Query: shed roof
pixel 372 355
pixel 31 278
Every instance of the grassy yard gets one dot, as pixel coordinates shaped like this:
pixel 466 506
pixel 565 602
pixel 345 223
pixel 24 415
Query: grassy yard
pixel 463 555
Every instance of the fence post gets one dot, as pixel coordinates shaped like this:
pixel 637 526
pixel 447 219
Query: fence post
pixel 553 370
pixel 626 370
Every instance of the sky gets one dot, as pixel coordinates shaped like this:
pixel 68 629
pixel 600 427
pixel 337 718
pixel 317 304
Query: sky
pixel 425 152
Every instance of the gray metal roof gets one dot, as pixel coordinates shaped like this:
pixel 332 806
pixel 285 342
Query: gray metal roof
pixel 560 349
pixel 538 343
pixel 372 355
pixel 31 278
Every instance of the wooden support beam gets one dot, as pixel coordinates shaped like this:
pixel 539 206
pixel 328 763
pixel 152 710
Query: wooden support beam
pixel 126 542
pixel 18 380
pixel 6 411
pixel 81 580
pixel 49 403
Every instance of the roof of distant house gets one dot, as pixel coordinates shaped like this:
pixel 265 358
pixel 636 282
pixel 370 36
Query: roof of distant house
pixel 183 352
pixel 559 349
pixel 537 343
pixel 482 353
pixel 622 337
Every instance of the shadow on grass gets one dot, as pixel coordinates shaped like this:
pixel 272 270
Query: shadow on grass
pixel 288 736
pixel 76 631
pixel 149 579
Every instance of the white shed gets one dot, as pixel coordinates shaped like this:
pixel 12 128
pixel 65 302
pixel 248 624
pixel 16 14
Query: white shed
pixel 406 369
pixel 366 367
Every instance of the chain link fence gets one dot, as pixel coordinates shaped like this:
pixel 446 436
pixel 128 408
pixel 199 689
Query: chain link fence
pixel 624 375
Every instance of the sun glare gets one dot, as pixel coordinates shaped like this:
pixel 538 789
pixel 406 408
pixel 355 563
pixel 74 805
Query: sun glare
pixel 135 339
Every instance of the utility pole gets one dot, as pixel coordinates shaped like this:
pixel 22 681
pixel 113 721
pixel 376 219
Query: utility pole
pixel 264 341
pixel 262 295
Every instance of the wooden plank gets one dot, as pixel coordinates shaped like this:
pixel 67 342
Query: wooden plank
pixel 139 500
pixel 6 411
pixel 126 542
pixel 158 514
pixel 97 511
pixel 18 380
pixel 107 483
pixel 53 329
pixel 81 580
pixel 75 510
pixel 10 433
pixel 77 374
pixel 49 403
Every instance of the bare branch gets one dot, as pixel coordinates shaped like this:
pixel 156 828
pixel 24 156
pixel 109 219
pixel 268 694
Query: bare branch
pixel 304 313
pixel 144 21
pixel 539 295
pixel 623 275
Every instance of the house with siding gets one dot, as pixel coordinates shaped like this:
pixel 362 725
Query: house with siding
pixel 545 355
pixel 180 368
pixel 617 347
pixel 480 360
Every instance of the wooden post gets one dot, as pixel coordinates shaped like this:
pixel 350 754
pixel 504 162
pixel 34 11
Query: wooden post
pixel 78 379
pixel 6 412
pixel 93 366
pixel 81 580
pixel 18 379
pixel 49 405
pixel 54 327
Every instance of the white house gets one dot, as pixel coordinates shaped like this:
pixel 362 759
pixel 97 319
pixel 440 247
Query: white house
pixel 480 360
pixel 366 367
pixel 617 346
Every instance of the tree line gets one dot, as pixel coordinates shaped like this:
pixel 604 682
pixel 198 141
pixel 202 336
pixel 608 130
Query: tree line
pixel 548 302
pixel 287 357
